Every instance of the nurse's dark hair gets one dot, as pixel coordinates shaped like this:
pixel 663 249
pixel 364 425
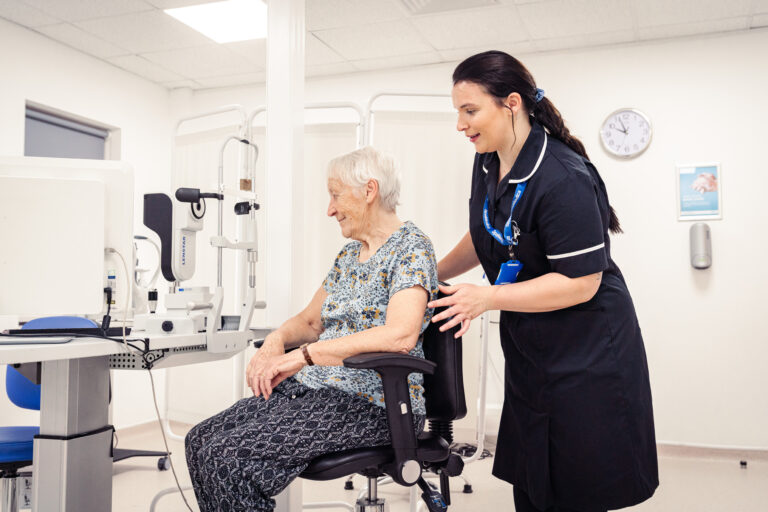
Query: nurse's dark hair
pixel 500 75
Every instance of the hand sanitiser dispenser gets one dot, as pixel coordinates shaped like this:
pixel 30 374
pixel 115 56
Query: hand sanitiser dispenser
pixel 701 246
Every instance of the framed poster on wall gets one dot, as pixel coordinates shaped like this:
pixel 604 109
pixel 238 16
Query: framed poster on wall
pixel 699 192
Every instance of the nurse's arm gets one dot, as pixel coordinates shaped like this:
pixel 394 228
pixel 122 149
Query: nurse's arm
pixel 549 292
pixel 462 258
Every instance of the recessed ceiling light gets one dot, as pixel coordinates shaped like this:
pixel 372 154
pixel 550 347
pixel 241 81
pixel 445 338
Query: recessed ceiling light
pixel 227 21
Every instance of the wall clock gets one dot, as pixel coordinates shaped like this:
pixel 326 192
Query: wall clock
pixel 626 133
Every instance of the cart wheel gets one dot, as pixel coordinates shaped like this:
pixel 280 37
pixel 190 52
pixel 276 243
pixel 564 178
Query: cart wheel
pixel 163 464
pixel 467 489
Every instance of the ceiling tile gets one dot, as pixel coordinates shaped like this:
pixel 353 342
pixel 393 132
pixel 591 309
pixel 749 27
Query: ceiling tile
pixel 254 51
pixel 338 68
pixel 688 29
pixel 203 62
pixel 584 40
pixel 373 41
pixel 232 80
pixel 398 61
pixel 471 28
pixel 143 32
pixel 89 9
pixel 178 84
pixel 319 53
pixel 144 68
pixel 172 4
pixel 316 51
pixel 759 20
pixel 26 15
pixel 560 18
pixel 512 48
pixel 760 6
pixel 651 13
pixel 326 14
pixel 418 7
pixel 83 41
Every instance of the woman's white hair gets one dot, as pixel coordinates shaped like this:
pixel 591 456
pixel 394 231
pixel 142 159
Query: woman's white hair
pixel 355 169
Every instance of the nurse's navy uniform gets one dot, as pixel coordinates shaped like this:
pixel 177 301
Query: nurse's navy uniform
pixel 577 423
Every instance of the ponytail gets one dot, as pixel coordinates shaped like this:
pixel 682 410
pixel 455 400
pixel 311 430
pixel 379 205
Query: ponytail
pixel 549 117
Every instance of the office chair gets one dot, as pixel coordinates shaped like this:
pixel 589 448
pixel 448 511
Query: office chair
pixel 16 443
pixel 408 455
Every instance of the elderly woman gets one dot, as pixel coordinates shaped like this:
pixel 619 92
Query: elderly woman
pixel 305 403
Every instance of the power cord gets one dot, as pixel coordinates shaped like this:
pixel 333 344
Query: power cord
pixel 107 319
pixel 165 440
pixel 128 291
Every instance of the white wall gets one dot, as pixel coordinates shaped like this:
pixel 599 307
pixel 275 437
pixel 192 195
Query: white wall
pixel 39 70
pixel 705 96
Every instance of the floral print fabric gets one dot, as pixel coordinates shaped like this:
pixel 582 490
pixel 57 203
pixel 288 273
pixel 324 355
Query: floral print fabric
pixel 358 295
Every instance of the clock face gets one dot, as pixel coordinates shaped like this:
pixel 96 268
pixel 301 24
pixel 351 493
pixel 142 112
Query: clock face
pixel 626 133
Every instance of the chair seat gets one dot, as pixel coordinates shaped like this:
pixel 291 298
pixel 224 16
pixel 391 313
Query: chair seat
pixel 432 448
pixel 16 443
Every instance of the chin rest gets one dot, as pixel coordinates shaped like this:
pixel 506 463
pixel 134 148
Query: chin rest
pixel 408 454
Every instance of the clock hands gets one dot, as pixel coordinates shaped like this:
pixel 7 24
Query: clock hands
pixel 625 131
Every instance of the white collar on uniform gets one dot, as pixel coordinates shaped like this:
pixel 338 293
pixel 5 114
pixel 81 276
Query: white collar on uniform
pixel 535 167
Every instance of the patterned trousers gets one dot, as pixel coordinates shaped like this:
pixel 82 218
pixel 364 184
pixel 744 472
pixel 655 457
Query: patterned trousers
pixel 250 452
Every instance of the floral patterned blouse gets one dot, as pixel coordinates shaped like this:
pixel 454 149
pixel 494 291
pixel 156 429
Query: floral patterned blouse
pixel 358 294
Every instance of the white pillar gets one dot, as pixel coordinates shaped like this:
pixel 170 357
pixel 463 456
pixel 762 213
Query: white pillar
pixel 285 157
pixel 284 167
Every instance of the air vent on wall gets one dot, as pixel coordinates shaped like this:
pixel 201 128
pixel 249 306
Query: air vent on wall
pixel 435 6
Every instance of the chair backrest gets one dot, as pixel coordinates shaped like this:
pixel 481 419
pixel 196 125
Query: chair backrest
pixel 444 389
pixel 23 392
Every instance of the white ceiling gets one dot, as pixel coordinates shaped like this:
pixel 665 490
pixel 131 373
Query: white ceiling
pixel 346 36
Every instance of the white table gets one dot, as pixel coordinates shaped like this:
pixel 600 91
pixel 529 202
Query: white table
pixel 73 453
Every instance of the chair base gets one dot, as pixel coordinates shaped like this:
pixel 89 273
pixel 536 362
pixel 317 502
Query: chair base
pixel 15 491
pixel 9 494
pixel 366 505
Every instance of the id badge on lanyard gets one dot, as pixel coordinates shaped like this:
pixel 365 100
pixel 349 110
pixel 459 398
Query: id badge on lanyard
pixel 511 268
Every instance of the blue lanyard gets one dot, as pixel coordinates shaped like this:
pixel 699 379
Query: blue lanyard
pixel 510 232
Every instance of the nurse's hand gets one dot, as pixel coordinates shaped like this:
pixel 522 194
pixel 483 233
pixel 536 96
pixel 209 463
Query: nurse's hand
pixel 465 302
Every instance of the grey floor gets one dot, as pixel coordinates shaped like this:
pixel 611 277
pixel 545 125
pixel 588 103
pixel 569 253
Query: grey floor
pixel 689 482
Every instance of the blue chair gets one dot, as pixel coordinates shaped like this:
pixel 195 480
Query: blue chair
pixel 16 443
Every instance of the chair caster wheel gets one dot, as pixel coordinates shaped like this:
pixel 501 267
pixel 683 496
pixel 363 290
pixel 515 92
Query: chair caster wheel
pixel 163 464
pixel 467 489
pixel 349 485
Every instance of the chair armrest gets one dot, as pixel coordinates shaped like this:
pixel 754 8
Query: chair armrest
pixel 394 369
pixel 381 360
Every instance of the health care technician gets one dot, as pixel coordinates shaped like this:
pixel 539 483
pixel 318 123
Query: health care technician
pixel 576 430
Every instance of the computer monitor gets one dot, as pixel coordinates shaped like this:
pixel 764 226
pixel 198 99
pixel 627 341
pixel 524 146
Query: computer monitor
pixel 58 218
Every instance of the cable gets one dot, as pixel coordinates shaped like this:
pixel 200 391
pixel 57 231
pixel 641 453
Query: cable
pixel 155 275
pixel 165 440
pixel 128 291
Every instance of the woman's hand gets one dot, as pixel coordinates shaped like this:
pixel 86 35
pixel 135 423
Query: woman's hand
pixel 278 369
pixel 270 349
pixel 465 302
